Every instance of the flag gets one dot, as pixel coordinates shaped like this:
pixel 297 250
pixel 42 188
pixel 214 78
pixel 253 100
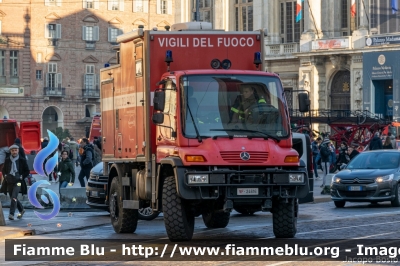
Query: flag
pixel 298 10
pixel 395 6
pixel 353 8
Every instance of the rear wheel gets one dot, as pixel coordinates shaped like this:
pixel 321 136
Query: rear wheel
pixel 122 220
pixel 284 217
pixel 216 219
pixel 178 219
pixel 396 201
pixel 148 214
pixel 339 204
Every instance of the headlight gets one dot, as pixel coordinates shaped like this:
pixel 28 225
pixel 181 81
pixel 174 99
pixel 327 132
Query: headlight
pixel 335 179
pixel 296 178
pixel 198 179
pixel 385 178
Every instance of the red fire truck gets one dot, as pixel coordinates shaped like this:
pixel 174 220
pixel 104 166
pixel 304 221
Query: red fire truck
pixel 193 126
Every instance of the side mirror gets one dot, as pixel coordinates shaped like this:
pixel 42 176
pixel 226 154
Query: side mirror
pixel 159 100
pixel 304 102
pixel 158 118
pixel 343 166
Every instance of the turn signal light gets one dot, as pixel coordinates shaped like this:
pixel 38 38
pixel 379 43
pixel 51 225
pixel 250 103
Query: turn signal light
pixel 195 158
pixel 291 159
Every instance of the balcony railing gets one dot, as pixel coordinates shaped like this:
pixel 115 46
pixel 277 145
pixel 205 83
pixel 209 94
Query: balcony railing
pixel 284 49
pixel 91 93
pixel 14 80
pixel 90 45
pixel 3 80
pixel 52 42
pixel 54 92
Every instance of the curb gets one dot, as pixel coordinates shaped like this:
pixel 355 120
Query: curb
pixel 16 233
pixel 321 199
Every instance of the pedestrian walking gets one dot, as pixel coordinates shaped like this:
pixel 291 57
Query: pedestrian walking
pixel 342 155
pixel 315 151
pixel 376 142
pixel 387 145
pixel 15 170
pixel 325 157
pixel 66 171
pixel 392 140
pixel 21 150
pixel 86 161
pixel 45 142
pixel 74 146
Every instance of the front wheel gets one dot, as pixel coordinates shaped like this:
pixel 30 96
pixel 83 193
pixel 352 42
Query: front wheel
pixel 178 219
pixel 339 204
pixel 122 220
pixel 396 201
pixel 284 218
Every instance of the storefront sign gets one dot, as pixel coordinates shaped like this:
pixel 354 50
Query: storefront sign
pixel 374 41
pixel 9 90
pixel 330 44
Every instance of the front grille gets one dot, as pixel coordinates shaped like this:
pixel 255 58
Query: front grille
pixel 357 181
pixel 356 194
pixel 96 200
pixel 234 157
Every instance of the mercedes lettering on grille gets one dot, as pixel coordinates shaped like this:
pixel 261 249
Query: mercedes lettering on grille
pixel 245 156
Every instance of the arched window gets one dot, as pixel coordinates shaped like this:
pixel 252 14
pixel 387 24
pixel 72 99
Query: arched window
pixel 340 91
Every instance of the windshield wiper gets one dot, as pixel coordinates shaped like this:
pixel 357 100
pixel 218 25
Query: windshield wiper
pixel 194 124
pixel 267 136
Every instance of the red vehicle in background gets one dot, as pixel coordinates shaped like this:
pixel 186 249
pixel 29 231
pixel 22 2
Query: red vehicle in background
pixel 95 128
pixel 28 132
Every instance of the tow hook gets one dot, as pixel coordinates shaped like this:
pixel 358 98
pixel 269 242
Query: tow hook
pixel 228 206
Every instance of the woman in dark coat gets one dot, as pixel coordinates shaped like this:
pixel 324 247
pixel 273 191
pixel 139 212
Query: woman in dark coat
pixel 66 170
pixel 388 143
pixel 342 154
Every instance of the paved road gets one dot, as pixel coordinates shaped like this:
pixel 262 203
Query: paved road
pixel 316 221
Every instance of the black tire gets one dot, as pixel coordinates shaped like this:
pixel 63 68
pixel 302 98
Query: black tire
pixel 339 204
pixel 122 220
pixel 178 220
pixel 396 201
pixel 284 217
pixel 147 214
pixel 216 219
pixel 247 210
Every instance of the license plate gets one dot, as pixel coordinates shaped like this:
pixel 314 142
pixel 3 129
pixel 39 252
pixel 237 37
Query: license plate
pixel 354 188
pixel 94 193
pixel 247 191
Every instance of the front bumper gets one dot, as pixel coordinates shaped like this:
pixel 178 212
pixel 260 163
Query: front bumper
pixel 266 183
pixel 96 192
pixel 373 192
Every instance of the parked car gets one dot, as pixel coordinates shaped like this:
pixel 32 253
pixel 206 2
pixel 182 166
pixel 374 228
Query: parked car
pixel 96 192
pixel 372 176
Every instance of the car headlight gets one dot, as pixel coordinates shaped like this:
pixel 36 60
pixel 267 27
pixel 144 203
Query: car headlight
pixel 335 179
pixel 296 178
pixel 198 179
pixel 385 178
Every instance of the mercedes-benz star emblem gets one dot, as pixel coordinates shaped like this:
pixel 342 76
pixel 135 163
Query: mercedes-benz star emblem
pixel 245 156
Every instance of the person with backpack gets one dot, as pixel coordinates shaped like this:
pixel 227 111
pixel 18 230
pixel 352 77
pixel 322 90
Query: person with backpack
pixel 325 160
pixel 376 142
pixel 87 158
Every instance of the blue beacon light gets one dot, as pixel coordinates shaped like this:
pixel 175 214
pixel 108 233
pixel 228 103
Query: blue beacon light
pixel 168 58
pixel 257 59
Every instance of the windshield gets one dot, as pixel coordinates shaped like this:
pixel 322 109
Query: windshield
pixel 375 160
pixel 233 105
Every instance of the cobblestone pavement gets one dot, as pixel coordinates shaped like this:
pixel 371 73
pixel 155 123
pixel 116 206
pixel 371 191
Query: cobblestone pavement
pixel 316 221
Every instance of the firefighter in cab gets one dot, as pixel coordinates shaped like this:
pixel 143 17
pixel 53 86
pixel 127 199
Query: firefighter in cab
pixel 241 109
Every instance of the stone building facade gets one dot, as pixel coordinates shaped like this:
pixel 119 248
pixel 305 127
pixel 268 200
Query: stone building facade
pixel 51 52
pixel 324 52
